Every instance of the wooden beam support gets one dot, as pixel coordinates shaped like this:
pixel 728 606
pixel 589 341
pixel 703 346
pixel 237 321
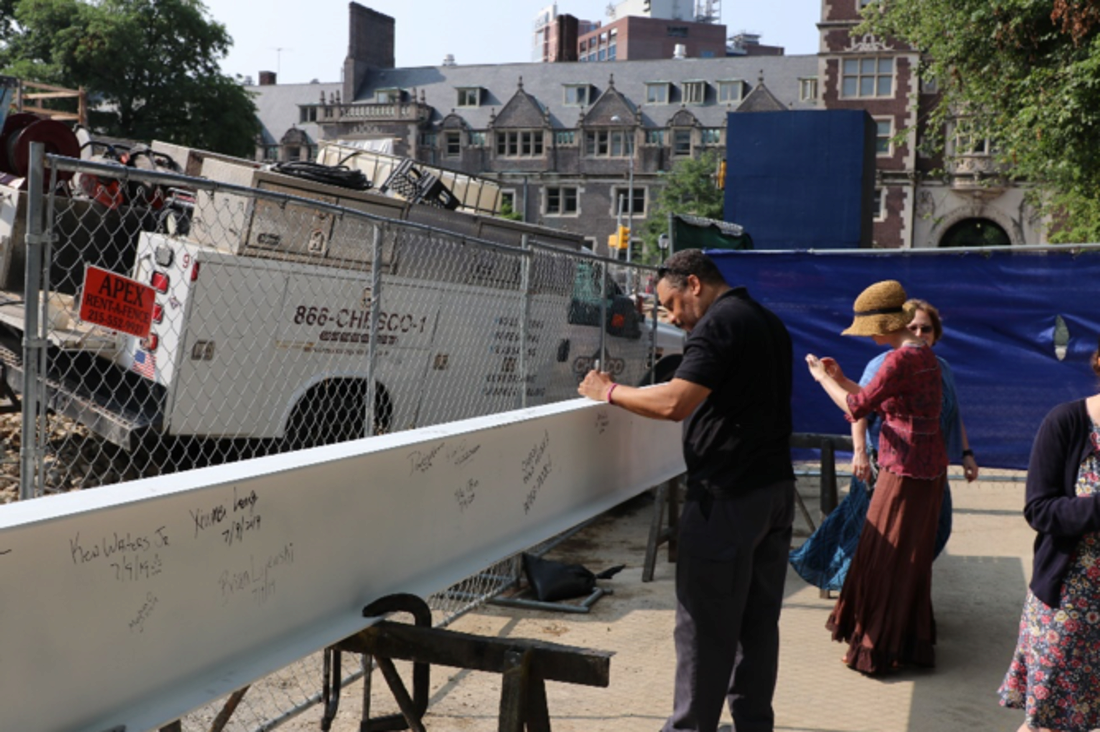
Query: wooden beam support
pixel 438 646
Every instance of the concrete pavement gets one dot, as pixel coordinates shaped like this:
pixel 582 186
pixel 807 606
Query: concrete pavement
pixel 978 585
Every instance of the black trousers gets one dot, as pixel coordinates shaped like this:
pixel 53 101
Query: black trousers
pixel 729 590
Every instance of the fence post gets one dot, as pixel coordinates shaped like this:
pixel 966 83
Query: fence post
pixel 653 340
pixel 600 365
pixel 525 287
pixel 372 344
pixel 28 446
pixel 828 477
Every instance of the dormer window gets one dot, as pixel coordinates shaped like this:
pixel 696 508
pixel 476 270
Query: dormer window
pixel 469 96
pixel 519 143
pixel 731 91
pixel 694 92
pixel 807 89
pixel 578 95
pixel 391 95
pixel 656 92
pixel 608 143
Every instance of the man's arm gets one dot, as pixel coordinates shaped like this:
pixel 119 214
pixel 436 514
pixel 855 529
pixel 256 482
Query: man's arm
pixel 673 400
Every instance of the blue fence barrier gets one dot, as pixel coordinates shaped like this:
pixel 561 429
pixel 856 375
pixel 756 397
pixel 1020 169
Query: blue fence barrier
pixel 999 307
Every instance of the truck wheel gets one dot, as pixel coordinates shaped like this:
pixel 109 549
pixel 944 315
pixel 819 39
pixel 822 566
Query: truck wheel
pixel 663 370
pixel 334 411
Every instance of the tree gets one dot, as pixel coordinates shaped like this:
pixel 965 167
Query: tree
pixel 689 188
pixel 150 67
pixel 1026 74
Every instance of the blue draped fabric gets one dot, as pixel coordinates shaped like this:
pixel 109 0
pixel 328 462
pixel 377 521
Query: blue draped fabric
pixel 1005 313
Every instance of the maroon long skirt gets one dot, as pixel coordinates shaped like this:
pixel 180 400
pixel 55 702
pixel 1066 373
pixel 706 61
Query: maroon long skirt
pixel 884 612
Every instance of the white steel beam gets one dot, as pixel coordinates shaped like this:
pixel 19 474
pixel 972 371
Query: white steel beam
pixel 138 602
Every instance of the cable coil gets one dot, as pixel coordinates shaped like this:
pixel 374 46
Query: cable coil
pixel 333 175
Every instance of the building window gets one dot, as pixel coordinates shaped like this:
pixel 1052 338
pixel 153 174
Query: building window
pixel 712 136
pixel 694 92
pixel 681 142
pixel 293 153
pixel 452 142
pixel 969 142
pixel 608 144
pixel 519 144
pixel 507 202
pixel 576 95
pixel 387 96
pixel 656 92
pixel 561 201
pixel 469 96
pixel 620 194
pixel 807 89
pixel 868 77
pixel 271 152
pixel 865 3
pixel 477 139
pixel 307 113
pixel 427 139
pixel 655 137
pixel 677 31
pixel 878 205
pixel 884 131
pixel 565 137
pixel 732 90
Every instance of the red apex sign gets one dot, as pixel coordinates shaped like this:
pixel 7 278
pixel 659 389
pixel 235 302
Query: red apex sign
pixel 116 302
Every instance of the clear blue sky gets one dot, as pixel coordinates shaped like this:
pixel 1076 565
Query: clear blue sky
pixel 313 34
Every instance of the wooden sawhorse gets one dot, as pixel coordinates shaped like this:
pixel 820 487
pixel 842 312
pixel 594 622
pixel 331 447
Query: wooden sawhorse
pixel 524 664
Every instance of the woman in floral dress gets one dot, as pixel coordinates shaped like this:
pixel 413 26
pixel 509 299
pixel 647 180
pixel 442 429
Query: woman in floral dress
pixel 1055 673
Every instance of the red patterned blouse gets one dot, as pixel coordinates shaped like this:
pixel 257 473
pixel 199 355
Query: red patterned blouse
pixel 907 393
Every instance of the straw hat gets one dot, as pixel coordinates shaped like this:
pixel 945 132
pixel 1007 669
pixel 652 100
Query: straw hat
pixel 880 309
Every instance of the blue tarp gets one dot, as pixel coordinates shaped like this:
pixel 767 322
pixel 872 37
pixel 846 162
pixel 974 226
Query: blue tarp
pixel 999 312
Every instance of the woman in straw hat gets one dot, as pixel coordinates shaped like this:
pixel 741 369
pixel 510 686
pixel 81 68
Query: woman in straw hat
pixel 884 611
pixel 824 558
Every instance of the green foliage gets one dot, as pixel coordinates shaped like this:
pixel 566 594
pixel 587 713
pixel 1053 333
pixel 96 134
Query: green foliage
pixel 689 188
pixel 1028 75
pixel 150 67
pixel 507 212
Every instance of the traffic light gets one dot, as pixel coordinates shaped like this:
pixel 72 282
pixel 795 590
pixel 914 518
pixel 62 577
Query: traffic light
pixel 624 237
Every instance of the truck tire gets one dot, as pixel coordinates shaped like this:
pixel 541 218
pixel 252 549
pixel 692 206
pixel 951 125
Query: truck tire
pixel 663 370
pixel 334 411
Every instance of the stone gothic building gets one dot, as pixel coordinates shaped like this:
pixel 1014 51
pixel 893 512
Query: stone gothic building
pixel 571 142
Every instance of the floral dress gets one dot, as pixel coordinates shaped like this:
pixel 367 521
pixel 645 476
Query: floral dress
pixel 1055 673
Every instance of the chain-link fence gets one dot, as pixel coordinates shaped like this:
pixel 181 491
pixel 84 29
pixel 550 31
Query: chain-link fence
pixel 279 322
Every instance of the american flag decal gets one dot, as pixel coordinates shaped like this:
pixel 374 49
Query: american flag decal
pixel 145 364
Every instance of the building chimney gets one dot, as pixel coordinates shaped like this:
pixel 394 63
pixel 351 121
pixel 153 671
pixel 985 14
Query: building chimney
pixel 267 78
pixel 370 46
pixel 449 60
pixel 679 51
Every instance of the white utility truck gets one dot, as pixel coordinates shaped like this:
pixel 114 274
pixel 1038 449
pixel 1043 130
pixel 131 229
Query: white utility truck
pixel 262 322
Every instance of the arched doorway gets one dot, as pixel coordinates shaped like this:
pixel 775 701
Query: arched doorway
pixel 975 233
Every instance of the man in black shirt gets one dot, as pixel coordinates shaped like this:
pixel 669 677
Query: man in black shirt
pixel 733 394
